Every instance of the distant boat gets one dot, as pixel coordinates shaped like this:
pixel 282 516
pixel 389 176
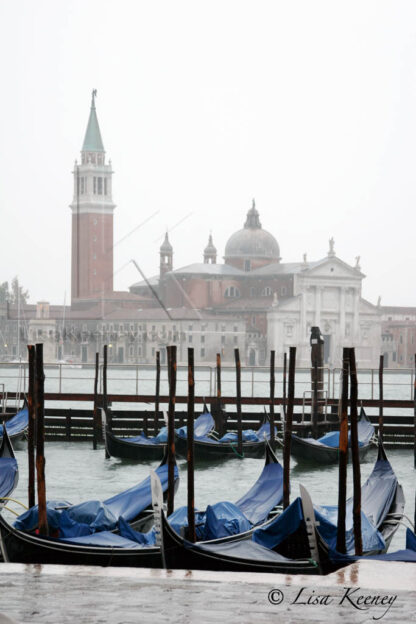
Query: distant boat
pixel 143 447
pixel 207 447
pixel 325 450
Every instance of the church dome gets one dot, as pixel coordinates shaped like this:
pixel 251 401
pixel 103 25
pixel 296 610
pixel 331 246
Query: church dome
pixel 252 241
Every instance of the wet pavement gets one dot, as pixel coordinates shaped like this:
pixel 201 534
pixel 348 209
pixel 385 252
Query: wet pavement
pixel 366 591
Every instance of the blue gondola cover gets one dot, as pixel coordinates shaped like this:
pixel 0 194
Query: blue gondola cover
pixel 8 471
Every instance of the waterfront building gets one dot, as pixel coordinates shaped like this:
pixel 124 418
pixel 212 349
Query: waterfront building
pixel 251 300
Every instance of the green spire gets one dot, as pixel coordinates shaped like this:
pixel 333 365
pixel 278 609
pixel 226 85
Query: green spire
pixel 93 141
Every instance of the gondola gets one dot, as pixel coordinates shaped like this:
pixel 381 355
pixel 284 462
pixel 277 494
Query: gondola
pixel 324 450
pixel 254 508
pixel 91 516
pixel 108 548
pixel 9 472
pixel 207 447
pixel 17 425
pixel 235 554
pixel 143 448
pixel 285 546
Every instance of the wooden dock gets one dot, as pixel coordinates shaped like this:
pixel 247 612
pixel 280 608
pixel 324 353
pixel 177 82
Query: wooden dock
pixel 65 423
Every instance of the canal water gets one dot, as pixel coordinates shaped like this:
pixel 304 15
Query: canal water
pixel 75 472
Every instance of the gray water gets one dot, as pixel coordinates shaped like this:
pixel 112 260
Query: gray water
pixel 75 472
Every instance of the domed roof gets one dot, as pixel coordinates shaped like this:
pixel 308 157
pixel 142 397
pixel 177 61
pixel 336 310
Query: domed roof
pixel 252 241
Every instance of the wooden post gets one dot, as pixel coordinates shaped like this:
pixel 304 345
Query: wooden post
pixel 315 401
pixel 284 385
pixel 414 423
pixel 272 388
pixel 171 427
pixel 217 411
pixel 190 433
pixel 317 377
pixel 238 402
pixel 68 425
pixel 157 394
pixel 355 456
pixel 31 427
pixel 288 428
pixel 95 412
pixel 105 396
pixel 343 455
pixel 40 440
pixel 381 397
pixel 218 375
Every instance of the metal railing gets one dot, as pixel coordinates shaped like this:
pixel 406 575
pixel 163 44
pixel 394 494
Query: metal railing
pixel 140 379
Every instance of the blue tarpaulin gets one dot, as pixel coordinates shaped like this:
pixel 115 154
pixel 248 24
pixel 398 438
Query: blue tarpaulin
pixel 16 424
pixel 202 426
pixel 92 516
pixel 365 432
pixel 161 438
pixel 377 495
pixel 265 494
pixel 8 472
pixel 410 540
pixel 224 519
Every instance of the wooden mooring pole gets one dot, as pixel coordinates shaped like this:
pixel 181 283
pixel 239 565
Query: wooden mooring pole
pixel 171 427
pixel 356 470
pixel 157 395
pixel 238 402
pixel 31 426
pixel 40 440
pixel 317 361
pixel 343 454
pixel 414 423
pixel 288 428
pixel 381 395
pixel 218 371
pixel 190 456
pixel 272 390
pixel 95 417
pixel 107 415
pixel 284 384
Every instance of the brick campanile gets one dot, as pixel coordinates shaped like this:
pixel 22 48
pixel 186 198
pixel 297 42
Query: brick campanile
pixel 92 217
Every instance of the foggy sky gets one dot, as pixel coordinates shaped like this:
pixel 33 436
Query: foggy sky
pixel 308 107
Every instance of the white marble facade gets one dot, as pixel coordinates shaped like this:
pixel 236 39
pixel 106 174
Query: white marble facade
pixel 327 294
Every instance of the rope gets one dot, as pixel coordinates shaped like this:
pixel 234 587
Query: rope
pixel 13 500
pixel 236 452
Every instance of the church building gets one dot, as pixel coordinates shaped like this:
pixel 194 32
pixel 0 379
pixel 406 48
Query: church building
pixel 279 302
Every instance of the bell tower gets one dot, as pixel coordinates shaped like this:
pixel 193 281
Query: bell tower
pixel 92 210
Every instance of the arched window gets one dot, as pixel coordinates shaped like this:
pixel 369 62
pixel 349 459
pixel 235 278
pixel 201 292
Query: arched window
pixel 232 292
pixel 266 292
